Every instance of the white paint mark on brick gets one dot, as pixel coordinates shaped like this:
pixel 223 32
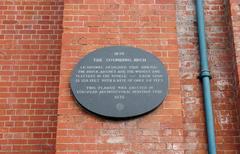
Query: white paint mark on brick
pixel 115 140
pixel 223 119
pixel 188 88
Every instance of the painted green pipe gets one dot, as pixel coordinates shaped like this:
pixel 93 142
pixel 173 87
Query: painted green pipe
pixel 205 78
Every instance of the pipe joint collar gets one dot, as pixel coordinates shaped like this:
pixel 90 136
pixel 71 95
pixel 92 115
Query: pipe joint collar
pixel 205 73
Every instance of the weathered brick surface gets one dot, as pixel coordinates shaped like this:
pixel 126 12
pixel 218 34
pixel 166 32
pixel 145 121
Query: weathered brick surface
pixel 234 18
pixel 222 67
pixel 146 24
pixel 30 43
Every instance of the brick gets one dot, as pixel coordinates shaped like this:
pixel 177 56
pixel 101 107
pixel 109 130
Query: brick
pixel 21 65
pixel 73 1
pixel 165 1
pixel 192 99
pixel 102 31
pixel 34 97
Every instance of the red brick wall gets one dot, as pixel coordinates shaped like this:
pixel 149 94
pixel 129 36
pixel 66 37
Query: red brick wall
pixel 223 70
pixel 30 54
pixel 30 43
pixel 147 24
pixel 234 18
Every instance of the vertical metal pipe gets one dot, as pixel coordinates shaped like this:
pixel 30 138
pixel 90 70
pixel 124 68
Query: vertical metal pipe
pixel 205 77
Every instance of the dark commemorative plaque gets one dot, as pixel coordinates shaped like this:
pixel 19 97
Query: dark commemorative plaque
pixel 119 82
